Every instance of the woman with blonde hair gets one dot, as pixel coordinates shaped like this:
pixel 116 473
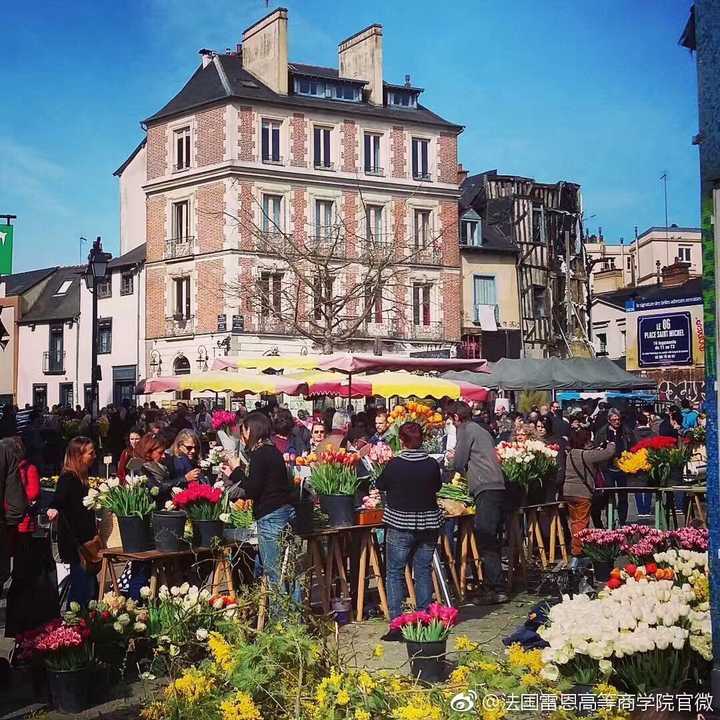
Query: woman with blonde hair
pixel 183 458
pixel 76 523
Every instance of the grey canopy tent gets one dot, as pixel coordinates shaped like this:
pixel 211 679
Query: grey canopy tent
pixel 554 374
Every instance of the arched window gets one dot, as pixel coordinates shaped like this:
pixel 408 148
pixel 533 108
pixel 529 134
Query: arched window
pixel 181 365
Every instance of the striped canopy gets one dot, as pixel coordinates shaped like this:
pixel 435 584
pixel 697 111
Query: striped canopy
pixel 237 382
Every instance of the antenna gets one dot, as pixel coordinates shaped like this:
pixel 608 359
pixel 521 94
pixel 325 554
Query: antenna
pixel 664 178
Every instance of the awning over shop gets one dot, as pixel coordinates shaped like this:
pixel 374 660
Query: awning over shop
pixel 237 382
pixel 554 374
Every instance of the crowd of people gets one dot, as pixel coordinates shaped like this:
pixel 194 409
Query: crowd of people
pixel 168 445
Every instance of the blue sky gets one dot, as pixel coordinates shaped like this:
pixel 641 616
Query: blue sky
pixel 593 92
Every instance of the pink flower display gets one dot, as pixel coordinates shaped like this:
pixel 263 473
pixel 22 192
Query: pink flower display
pixel 431 625
pixel 223 420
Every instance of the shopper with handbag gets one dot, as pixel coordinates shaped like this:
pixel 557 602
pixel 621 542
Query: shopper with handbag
pixel 78 539
pixel 581 469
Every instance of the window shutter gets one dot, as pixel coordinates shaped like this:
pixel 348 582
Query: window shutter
pixel 276 143
pixel 316 146
pixel 424 158
pixel 368 160
pixel 415 158
pixel 265 141
pixel 326 148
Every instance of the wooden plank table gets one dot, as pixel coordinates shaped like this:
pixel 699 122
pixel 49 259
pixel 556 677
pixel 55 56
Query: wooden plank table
pixel 222 568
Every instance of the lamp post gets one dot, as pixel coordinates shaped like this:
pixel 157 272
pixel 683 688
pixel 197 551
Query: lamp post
pixel 95 273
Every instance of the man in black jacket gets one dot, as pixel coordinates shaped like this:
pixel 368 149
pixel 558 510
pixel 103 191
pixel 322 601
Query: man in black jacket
pixel 617 432
pixel 13 505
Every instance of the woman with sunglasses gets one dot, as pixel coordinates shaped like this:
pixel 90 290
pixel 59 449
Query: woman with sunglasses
pixel 184 458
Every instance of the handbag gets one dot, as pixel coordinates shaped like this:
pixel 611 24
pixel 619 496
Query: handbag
pixel 89 551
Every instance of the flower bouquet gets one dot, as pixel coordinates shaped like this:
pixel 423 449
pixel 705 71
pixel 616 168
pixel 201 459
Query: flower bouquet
pixel 203 505
pixel 223 420
pixel 333 476
pixel 211 464
pixel 426 633
pixel 379 455
pixel 527 464
pixel 132 503
pixel 660 457
pixel 430 421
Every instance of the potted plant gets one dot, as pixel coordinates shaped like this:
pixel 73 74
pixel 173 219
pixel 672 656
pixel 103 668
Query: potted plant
pixel 304 502
pixel 66 654
pixel 426 633
pixel 603 547
pixel 334 479
pixel 239 521
pixel 203 505
pixel 132 503
pixel 525 465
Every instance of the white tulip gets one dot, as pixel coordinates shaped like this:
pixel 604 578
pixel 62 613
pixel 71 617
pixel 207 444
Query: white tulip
pixel 202 634
pixel 113 482
pixel 145 592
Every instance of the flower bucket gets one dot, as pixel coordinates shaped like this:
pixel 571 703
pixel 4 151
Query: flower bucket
pixel 206 531
pixel 339 508
pixel 369 517
pixel 302 523
pixel 169 529
pixel 427 660
pixel 135 534
pixel 602 569
pixel 69 690
pixel 238 535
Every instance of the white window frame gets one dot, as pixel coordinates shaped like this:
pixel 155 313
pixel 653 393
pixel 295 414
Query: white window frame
pixel 428 231
pixel 185 306
pixel 685 250
pixel 374 222
pixel 275 278
pixel 176 232
pixel 422 283
pixel 183 134
pixel 128 275
pixel 420 139
pixel 372 161
pixel 323 231
pixel 268 223
pixel 272 123
pixel 474 240
pixel 63 289
pixel 324 161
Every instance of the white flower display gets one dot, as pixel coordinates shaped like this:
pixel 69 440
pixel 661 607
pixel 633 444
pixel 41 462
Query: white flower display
pixel 202 634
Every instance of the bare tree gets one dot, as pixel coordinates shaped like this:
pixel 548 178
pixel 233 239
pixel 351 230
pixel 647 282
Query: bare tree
pixel 330 280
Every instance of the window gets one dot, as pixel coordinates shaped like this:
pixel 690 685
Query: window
pixel 270 141
pixel 538 296
pixel 421 304
pixel 373 304
pixel 470 235
pixel 400 98
pixel 63 289
pixel 322 297
pixel 323 219
pixel 484 292
pixel 126 283
pixel 422 229
pixel 684 254
pixel 628 263
pixel 270 286
pixel 602 343
pixel 66 394
pixel 373 165
pixel 420 159
pixel 104 336
pixel 56 350
pixel 321 139
pixel 272 217
pixel 623 335
pixel 374 223
pixel 39 395
pixel 182 298
pixel 181 220
pixel 182 148
pixel 323 89
pixel 104 288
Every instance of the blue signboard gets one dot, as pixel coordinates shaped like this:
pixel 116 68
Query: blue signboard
pixel 665 340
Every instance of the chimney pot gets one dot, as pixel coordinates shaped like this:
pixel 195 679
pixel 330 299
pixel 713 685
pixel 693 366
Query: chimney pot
pixel 407 81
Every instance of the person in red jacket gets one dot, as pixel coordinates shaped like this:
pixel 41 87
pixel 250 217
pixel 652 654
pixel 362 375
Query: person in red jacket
pixel 129 452
pixel 33 597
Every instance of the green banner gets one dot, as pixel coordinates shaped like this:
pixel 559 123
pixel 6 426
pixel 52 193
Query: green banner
pixel 6 249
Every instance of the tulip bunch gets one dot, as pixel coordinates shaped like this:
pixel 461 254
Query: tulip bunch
pixel 240 515
pixel 332 472
pixel 601 545
pixel 63 646
pixel 417 412
pixel 657 456
pixel 431 625
pixel 133 498
pixel 199 501
pixel 527 462
pixel 223 420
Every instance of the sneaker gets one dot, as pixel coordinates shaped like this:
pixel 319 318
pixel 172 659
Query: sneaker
pixel 393 636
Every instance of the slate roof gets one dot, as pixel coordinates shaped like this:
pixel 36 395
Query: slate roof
pixel 317 71
pixel 19 283
pixel 206 86
pixel 618 298
pixel 129 259
pixel 49 306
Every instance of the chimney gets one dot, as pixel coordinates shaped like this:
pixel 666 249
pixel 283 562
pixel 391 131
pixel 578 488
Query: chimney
pixel 207 57
pixel 360 57
pixel 265 50
pixel 462 174
pixel 676 274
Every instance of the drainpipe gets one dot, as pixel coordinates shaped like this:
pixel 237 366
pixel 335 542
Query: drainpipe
pixel 77 358
pixel 137 328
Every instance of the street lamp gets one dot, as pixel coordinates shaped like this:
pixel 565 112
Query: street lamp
pixel 95 274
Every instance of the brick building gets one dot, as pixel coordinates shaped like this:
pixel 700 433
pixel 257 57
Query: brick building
pixel 256 153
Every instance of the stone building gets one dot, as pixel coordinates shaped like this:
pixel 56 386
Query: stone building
pixel 246 170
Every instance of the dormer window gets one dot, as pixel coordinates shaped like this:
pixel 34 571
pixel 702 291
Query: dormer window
pixel 402 98
pixel 349 92
pixel 470 233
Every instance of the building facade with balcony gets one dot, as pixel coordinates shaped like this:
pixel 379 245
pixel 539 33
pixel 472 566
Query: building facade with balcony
pixel 260 170
pixel 54 335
